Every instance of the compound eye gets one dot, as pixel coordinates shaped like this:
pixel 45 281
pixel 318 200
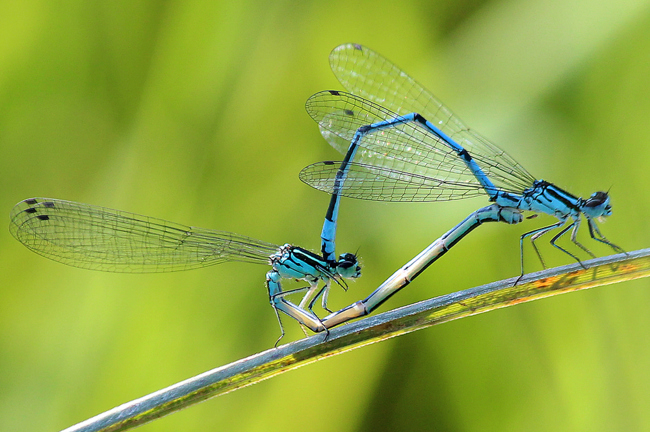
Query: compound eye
pixel 597 199
pixel 347 260
pixel 348 266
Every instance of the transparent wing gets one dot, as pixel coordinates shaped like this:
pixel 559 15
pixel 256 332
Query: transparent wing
pixel 370 76
pixel 380 184
pixel 406 147
pixel 97 238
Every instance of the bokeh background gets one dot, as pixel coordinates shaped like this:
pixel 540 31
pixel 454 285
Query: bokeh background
pixel 193 112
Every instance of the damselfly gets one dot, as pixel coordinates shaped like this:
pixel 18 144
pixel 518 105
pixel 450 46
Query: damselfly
pixel 98 238
pixel 402 144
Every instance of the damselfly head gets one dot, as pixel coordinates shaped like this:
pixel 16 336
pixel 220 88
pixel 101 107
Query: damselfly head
pixel 348 266
pixel 597 205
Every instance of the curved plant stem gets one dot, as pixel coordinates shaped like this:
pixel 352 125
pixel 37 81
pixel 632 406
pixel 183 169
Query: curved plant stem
pixel 264 365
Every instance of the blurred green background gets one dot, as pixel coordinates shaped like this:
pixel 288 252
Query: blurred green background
pixel 193 112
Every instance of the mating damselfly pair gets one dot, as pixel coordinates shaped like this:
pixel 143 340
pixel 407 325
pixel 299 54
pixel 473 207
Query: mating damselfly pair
pixel 400 144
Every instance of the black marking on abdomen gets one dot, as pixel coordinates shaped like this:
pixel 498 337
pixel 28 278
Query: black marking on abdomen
pixel 465 155
pixel 331 206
